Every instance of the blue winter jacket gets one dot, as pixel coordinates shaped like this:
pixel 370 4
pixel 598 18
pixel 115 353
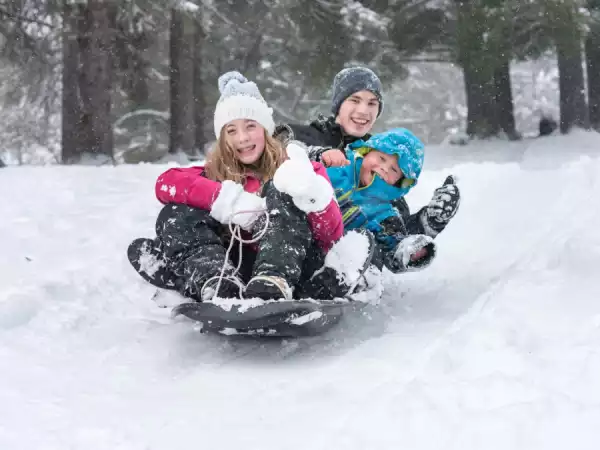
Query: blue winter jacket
pixel 367 207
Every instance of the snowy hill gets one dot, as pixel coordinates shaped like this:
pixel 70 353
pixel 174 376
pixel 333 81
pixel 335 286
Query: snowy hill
pixel 495 346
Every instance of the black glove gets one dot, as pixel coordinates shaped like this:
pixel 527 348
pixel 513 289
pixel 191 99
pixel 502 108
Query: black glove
pixel 442 207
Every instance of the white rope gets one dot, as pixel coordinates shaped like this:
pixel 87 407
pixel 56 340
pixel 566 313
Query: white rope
pixel 236 234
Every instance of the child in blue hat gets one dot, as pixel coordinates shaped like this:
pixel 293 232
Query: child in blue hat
pixel 381 170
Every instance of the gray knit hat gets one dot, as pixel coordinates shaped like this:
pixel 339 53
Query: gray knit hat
pixel 351 80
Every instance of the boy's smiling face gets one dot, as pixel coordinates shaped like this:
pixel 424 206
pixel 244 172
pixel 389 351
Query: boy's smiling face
pixel 382 164
pixel 358 113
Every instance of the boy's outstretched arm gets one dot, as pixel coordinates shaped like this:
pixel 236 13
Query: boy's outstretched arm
pixel 400 251
pixel 412 222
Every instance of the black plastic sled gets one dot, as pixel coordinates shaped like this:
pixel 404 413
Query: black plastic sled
pixel 295 318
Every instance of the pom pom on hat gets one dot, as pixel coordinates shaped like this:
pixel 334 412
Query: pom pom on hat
pixel 230 77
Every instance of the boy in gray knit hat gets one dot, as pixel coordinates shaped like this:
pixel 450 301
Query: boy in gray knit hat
pixel 353 80
pixel 356 103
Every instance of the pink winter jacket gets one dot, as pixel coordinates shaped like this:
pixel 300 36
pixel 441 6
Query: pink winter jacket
pixel 189 187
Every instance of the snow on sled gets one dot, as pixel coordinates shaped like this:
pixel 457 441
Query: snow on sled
pixel 274 318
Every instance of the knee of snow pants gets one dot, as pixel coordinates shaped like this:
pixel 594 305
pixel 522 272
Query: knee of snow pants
pixel 193 243
pixel 283 247
pixel 181 227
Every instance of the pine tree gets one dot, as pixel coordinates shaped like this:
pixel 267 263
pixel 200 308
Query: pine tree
pixel 88 40
pixel 592 51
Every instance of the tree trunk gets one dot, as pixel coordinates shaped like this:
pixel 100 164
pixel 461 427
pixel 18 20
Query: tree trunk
pixel 71 108
pixel 593 76
pixel 573 108
pixel 504 100
pixel 482 120
pixel 132 43
pixel 200 116
pixel 565 23
pixel 182 83
pixel 88 79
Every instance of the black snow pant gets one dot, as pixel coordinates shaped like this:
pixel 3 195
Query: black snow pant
pixel 195 245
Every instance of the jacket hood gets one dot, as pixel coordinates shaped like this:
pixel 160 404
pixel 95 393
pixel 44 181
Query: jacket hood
pixel 373 203
pixel 398 141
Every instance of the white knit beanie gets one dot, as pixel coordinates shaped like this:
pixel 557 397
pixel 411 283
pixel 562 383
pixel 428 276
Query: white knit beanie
pixel 241 99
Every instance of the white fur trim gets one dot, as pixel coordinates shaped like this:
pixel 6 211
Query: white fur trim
pixel 243 107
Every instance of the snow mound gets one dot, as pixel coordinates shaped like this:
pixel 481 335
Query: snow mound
pixel 494 346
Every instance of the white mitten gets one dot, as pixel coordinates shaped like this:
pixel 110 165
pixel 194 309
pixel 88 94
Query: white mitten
pixel 296 177
pixel 411 245
pixel 232 203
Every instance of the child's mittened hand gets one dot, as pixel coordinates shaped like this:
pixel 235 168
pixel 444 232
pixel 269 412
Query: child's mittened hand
pixel 247 209
pixel 297 178
pixel 444 204
pixel 232 201
pixel 334 158
pixel 298 152
pixel 223 205
pixel 296 172
pixel 315 197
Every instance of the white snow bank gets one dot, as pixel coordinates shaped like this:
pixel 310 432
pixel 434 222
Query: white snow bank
pixel 494 346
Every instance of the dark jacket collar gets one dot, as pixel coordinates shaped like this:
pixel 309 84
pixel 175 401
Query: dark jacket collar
pixel 329 127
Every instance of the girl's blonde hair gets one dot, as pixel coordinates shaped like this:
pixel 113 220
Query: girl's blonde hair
pixel 222 163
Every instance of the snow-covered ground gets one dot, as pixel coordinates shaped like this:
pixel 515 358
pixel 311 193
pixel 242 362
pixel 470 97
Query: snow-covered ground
pixel 495 346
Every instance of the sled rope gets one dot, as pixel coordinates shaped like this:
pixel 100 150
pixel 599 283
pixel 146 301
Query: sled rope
pixel 236 235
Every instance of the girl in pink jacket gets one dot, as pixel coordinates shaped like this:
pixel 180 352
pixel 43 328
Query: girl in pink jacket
pixel 251 191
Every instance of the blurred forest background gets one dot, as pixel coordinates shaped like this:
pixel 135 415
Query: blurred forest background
pixel 124 81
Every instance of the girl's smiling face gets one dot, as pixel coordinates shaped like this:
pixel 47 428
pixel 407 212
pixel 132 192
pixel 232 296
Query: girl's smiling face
pixel 247 139
pixel 382 164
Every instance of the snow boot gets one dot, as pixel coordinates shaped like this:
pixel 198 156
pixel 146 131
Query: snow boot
pixel 268 287
pixel 230 287
pixel 147 258
pixel 331 281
